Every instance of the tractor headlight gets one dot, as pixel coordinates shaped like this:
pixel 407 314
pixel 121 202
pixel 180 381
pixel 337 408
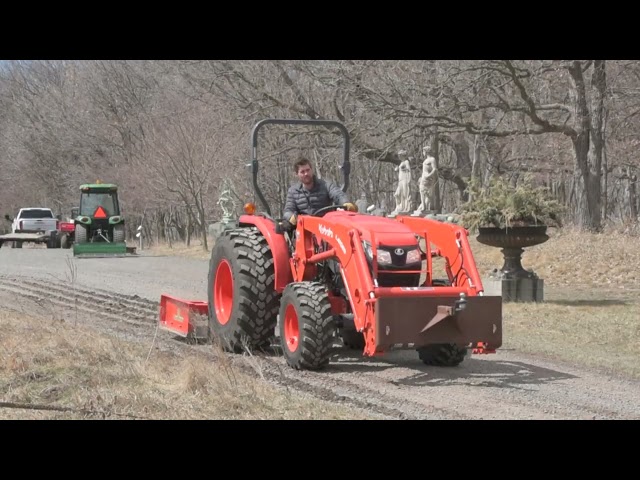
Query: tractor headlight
pixel 384 257
pixel 414 256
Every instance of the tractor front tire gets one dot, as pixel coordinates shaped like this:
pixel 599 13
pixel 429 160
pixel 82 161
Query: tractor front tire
pixel 306 325
pixel 64 241
pixel 442 354
pixel 243 303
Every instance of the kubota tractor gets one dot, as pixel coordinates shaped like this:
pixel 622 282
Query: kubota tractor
pixel 99 226
pixel 366 278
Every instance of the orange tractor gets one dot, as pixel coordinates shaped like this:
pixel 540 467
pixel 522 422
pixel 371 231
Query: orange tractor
pixel 366 279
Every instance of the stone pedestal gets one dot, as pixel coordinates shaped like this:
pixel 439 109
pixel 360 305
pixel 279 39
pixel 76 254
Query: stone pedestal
pixel 513 282
pixel 515 289
pixel 423 213
pixel 396 214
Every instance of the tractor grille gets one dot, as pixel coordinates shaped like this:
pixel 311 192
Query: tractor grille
pixel 399 279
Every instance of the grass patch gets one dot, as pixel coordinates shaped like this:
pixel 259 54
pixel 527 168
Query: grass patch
pixel 601 335
pixel 53 370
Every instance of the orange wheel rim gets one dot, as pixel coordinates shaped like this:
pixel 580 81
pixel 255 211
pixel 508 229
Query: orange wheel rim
pixel 223 292
pixel 291 328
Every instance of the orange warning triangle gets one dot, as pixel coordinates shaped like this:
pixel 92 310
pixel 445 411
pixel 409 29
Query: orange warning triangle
pixel 100 213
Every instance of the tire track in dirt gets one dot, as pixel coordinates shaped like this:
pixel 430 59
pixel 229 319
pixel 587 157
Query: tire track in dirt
pixel 89 301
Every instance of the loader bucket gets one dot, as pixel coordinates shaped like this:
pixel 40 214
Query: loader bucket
pixel 419 321
pixel 99 249
pixel 186 318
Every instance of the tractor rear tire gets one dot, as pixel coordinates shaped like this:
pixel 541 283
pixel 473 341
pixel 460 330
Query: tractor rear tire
pixel 243 303
pixel 118 233
pixel 81 233
pixel 306 325
pixel 442 354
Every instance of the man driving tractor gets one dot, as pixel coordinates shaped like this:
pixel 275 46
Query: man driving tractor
pixel 311 194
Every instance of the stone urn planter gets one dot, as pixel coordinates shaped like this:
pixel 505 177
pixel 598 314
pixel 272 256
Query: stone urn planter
pixel 513 241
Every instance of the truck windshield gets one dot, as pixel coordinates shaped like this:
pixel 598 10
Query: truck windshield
pixel 36 213
pixel 92 200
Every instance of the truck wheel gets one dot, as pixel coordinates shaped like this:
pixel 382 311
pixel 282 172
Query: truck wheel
pixel 442 354
pixel 81 234
pixel 118 233
pixel 306 325
pixel 243 303
pixel 64 241
pixel 17 244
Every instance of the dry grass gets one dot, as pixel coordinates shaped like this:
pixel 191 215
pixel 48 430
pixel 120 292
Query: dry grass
pixel 596 332
pixel 53 370
pixel 179 249
pixel 591 313
pixel 573 258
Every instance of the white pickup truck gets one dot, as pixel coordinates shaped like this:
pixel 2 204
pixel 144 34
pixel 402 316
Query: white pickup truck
pixel 34 220
pixel 32 225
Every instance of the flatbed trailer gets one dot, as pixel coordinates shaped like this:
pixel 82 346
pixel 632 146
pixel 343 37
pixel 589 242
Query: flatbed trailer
pixel 17 239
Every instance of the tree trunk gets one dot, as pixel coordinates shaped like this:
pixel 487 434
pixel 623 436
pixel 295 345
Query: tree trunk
pixel 462 172
pixel 632 197
pixel 588 144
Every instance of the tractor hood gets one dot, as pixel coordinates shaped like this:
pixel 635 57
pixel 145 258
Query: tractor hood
pixel 388 232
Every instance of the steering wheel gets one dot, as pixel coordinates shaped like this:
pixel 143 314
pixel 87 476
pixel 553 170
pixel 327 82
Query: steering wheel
pixel 324 210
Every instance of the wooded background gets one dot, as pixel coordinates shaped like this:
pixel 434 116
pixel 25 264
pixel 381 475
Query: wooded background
pixel 170 132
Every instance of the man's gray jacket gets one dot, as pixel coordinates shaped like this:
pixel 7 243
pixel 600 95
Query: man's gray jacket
pixel 323 194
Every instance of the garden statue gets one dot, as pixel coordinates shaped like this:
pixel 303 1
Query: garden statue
pixel 402 194
pixel 428 181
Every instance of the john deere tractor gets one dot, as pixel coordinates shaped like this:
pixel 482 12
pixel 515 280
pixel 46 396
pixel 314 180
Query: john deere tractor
pixel 99 227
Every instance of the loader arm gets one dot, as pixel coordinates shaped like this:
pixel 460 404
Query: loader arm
pixel 452 243
pixel 402 316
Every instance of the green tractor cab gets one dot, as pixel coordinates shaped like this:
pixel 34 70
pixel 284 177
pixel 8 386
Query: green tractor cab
pixel 99 226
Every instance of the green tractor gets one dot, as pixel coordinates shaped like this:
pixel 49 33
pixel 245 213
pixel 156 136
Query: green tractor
pixel 99 227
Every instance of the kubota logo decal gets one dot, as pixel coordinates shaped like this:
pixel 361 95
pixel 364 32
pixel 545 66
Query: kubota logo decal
pixel 327 232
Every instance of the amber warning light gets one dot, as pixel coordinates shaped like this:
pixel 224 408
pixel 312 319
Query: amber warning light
pixel 249 208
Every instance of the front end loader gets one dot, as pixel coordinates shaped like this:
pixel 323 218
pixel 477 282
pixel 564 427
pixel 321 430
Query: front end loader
pixel 99 227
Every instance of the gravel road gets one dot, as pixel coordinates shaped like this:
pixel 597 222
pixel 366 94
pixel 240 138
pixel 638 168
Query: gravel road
pixel 506 385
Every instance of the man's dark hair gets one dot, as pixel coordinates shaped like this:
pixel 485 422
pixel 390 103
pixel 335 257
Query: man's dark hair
pixel 300 162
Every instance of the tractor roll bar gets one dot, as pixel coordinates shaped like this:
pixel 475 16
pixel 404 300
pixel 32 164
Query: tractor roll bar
pixel 346 166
